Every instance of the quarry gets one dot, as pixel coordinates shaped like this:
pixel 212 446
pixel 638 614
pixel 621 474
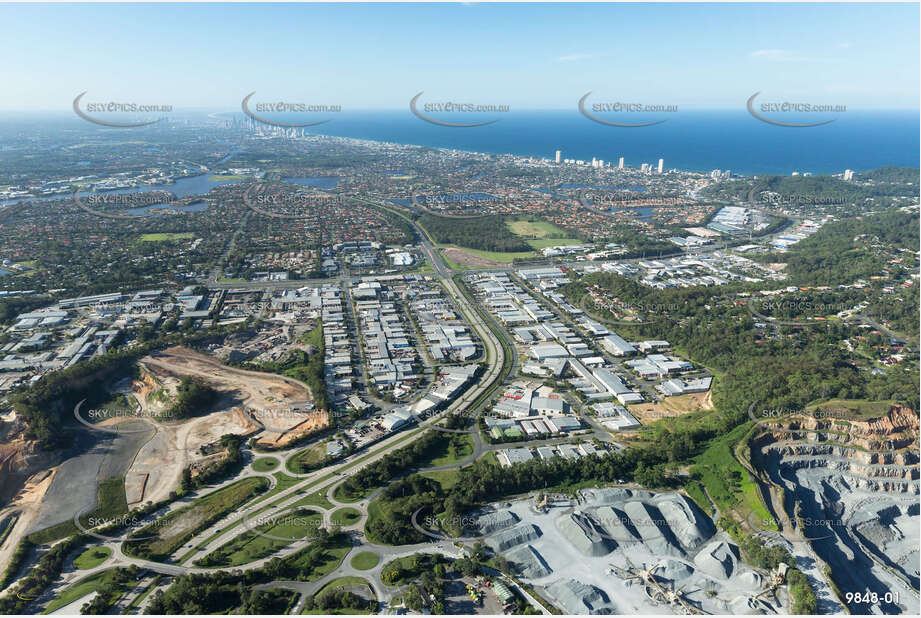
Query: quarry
pixel 847 485
pixel 621 551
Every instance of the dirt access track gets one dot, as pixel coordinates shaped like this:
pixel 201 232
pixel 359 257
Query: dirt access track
pixel 158 466
pixel 256 389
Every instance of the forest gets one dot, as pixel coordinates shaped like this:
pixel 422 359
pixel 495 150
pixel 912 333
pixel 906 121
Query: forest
pixel 487 233
pixel 845 251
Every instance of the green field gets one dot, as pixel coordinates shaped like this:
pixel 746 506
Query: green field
pixel 505 258
pixel 534 228
pixel 282 482
pixel 92 557
pixel 365 560
pixel 164 236
pixel 446 478
pixel 346 516
pixel 224 177
pixel 351 582
pixel 174 529
pixel 317 498
pixel 265 464
pixel 110 496
pixel 456 448
pixel 333 557
pixel 105 582
pixel 541 234
pixel 728 483
pixel 852 409
pixel 307 459
pixel 250 546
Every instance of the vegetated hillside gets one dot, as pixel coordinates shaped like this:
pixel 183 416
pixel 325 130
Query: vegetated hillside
pixel 484 233
pixel 858 248
pixel 718 333
pixel 884 182
pixel 193 396
pixel 890 173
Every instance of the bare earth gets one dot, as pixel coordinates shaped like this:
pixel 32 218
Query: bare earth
pixel 462 258
pixel 671 406
pixel 158 466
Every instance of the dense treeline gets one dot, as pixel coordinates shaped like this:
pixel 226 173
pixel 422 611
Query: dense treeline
pixel 488 233
pixel 227 466
pixel 12 307
pixel 339 599
pixel 193 397
pixel 16 561
pixel 40 576
pixel 301 565
pixel 393 464
pixel 890 173
pixel 309 368
pixel 482 482
pixel 219 593
pixel 717 330
pixel 117 582
pixel 823 190
pixel 851 249
pixel 47 405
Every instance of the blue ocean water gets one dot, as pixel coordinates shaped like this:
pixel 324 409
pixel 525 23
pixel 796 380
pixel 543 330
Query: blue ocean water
pixel 700 140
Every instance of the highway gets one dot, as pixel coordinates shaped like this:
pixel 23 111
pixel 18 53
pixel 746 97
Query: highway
pixel 326 479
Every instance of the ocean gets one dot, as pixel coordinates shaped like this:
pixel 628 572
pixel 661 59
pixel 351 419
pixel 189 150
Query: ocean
pixel 691 141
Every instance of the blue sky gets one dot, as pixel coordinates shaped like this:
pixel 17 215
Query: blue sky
pixel 524 55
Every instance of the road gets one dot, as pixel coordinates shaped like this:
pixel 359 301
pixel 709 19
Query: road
pixel 327 478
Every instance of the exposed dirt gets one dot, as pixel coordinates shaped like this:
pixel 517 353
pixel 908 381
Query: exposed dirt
pixel 20 458
pixel 267 398
pixel 850 485
pixel 671 406
pixel 463 258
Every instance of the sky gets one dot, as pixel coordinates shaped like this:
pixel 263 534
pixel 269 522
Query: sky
pixel 209 56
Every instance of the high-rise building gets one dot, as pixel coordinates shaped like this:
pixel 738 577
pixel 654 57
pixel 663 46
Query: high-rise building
pixel 661 165
pixel 849 174
pixel 558 153
pixel 620 164
pixel 644 167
